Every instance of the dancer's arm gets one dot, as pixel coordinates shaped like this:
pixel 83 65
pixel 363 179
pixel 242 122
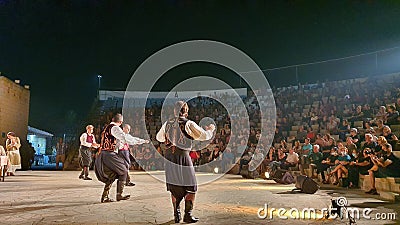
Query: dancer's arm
pixel 135 140
pixel 199 133
pixel 118 133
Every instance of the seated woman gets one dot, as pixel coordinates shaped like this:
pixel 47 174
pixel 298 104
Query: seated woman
pixel 281 158
pixel 340 170
pixel 360 165
pixel 378 149
pixel 390 137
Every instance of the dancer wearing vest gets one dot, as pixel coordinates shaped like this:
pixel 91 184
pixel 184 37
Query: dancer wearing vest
pixel 123 150
pixel 178 134
pixel 109 165
pixel 85 157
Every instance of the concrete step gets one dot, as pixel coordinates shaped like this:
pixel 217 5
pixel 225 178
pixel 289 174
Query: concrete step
pixel 389 196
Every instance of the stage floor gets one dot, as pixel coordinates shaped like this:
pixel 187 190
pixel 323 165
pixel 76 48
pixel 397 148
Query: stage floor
pixel 59 197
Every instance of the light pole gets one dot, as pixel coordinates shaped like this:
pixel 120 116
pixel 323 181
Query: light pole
pixel 98 90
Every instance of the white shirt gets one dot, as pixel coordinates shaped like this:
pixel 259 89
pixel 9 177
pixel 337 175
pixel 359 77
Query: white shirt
pixel 123 138
pixel 83 140
pixel 192 129
pixel 292 158
pixel 130 140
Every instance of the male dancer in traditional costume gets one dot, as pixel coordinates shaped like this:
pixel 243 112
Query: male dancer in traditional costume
pixel 88 141
pixel 178 134
pixel 123 149
pixel 109 165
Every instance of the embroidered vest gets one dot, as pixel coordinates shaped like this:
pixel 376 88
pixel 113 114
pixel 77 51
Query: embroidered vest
pixel 176 135
pixel 108 141
pixel 89 138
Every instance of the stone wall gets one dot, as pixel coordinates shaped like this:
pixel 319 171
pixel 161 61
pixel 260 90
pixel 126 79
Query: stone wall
pixel 14 109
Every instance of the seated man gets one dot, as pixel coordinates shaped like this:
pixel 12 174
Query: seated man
pixel 328 162
pixel 316 160
pixel 387 166
pixel 292 159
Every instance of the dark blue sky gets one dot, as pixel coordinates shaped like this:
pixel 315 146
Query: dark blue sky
pixel 58 47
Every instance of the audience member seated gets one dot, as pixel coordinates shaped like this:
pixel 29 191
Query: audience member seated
pixel 329 144
pixel 344 129
pixel 245 160
pixel 292 160
pixel 311 134
pixel 297 147
pixel 316 158
pixel 355 137
pixel 379 129
pixel 369 142
pixel 329 162
pixel 381 114
pixel 280 160
pixel 350 144
pixel 381 141
pixel 301 134
pixel 392 117
pixel 387 133
pixel 387 166
pixel 360 165
pixel 342 161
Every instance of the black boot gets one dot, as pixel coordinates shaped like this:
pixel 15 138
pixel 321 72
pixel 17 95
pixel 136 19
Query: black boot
pixel 177 211
pixel 86 171
pixel 130 184
pixel 188 218
pixel 128 181
pixel 106 191
pixel 120 189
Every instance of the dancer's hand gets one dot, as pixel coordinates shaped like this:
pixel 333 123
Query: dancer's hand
pixel 146 141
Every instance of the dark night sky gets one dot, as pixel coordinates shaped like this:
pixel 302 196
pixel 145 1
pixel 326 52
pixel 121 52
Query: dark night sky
pixel 58 47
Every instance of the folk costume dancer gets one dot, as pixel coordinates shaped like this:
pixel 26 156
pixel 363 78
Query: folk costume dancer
pixel 109 165
pixel 88 141
pixel 123 149
pixel 178 133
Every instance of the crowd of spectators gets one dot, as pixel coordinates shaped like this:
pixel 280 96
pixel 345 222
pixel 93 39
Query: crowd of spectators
pixel 337 129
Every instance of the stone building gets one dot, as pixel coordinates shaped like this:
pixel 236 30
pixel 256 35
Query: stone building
pixel 14 108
